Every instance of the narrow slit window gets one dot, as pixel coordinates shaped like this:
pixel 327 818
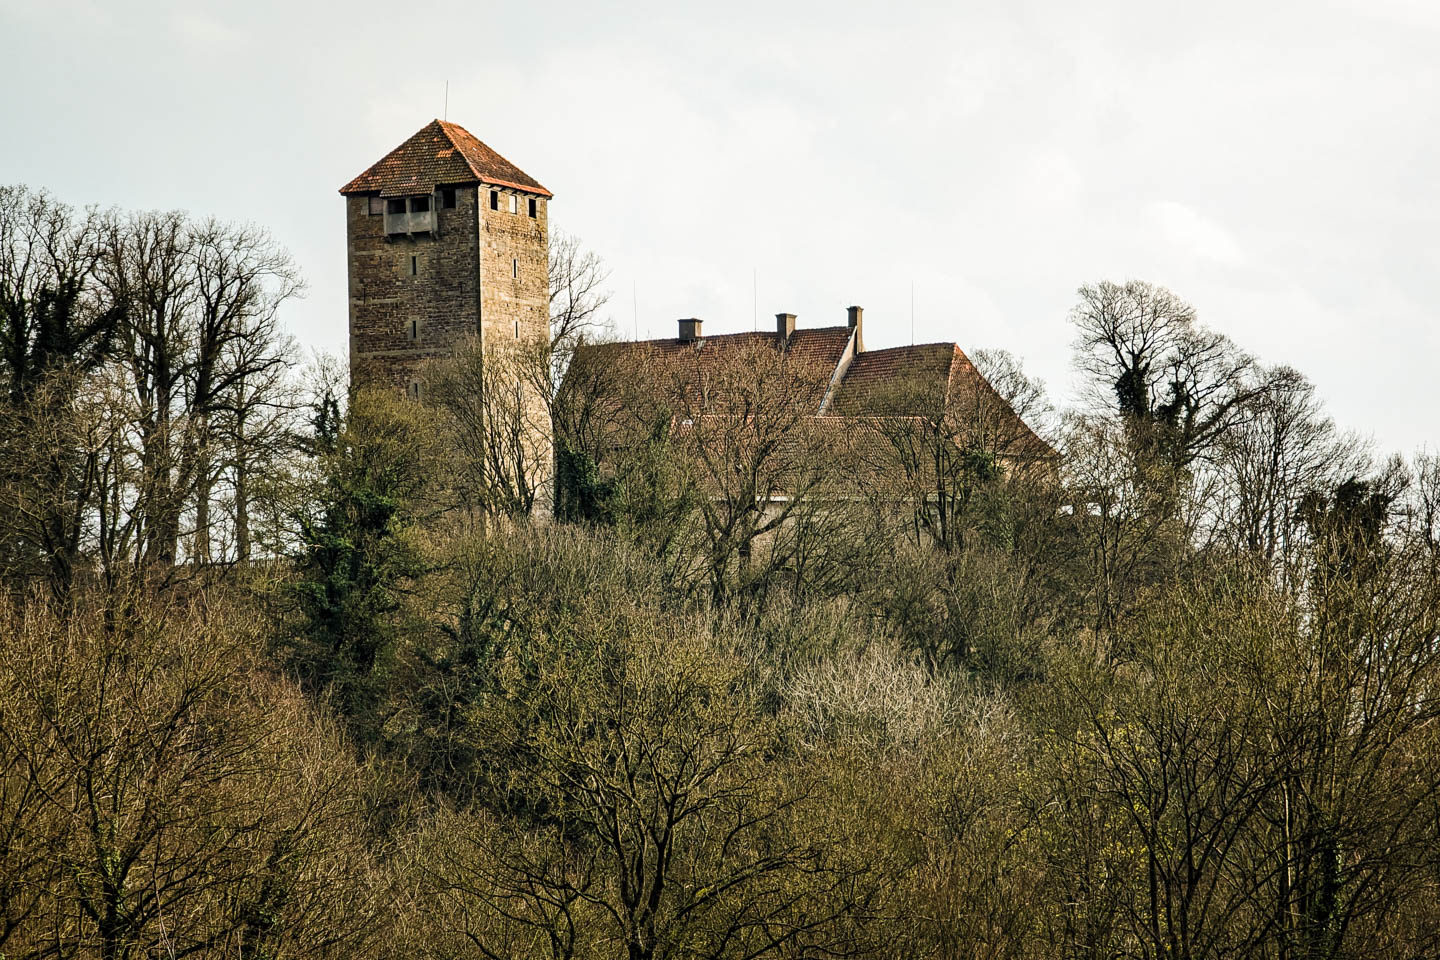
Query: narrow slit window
pixel 532 208
pixel 414 389
pixel 515 268
pixel 414 329
pixel 517 329
pixel 414 267
pixel 494 199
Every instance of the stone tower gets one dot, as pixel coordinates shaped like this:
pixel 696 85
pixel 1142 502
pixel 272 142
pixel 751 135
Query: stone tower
pixel 447 240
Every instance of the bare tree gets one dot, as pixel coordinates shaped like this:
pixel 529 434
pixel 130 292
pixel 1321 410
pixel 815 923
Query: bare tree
pixel 495 413
pixel 242 279
pixel 174 801
pixel 1132 535
pixel 1176 385
pixel 57 325
pixel 202 328
pixel 1267 464
pixel 577 297
pixel 766 470
pixel 654 832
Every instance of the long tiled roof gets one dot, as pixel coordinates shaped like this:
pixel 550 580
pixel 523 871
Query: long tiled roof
pixel 440 154
pixel 878 386
pixel 817 349
pixel 818 345
pixel 895 380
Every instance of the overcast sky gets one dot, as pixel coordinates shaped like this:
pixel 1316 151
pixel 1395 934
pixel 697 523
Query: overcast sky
pixel 1275 163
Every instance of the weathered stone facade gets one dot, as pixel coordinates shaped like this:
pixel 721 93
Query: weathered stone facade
pixel 416 297
pixel 514 268
pixel 413 298
pixel 472 262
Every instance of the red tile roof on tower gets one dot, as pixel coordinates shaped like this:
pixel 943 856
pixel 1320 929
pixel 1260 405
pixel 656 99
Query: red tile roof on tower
pixel 440 154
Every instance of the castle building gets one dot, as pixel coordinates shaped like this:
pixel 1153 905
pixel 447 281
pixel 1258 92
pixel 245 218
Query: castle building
pixel 446 241
pixel 448 246
pixel 797 413
pixel 855 391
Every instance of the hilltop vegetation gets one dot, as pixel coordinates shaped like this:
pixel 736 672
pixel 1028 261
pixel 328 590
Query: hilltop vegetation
pixel 287 672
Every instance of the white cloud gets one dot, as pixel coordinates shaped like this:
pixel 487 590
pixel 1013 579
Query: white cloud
pixel 205 35
pixel 1195 233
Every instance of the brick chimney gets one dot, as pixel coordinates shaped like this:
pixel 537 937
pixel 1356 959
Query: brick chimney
pixel 784 325
pixel 855 318
pixel 689 330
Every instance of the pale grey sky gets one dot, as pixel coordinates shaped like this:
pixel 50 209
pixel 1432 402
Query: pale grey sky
pixel 1275 163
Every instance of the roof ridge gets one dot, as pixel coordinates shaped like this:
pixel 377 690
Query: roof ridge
pixel 446 128
pixel 911 346
pixel 388 154
pixel 441 152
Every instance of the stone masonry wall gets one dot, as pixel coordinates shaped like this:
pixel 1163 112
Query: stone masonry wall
pixel 430 280
pixel 515 301
pixel 515 272
pixel 484 271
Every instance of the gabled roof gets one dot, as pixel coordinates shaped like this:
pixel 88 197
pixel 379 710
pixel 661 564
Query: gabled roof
pixel 903 377
pixel 924 379
pixel 440 154
pixel 817 349
pixel 822 345
pixel 874 392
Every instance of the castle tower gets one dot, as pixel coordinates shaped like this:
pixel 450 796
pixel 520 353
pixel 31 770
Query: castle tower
pixel 447 240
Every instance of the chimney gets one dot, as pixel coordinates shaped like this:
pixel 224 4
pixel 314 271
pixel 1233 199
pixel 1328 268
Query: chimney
pixel 855 319
pixel 689 330
pixel 784 325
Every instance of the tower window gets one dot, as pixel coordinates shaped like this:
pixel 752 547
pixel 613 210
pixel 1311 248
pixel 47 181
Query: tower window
pixel 494 199
pixel 532 207
pixel 414 266
pixel 447 199
pixel 410 215
pixel 377 206
pixel 414 329
pixel 517 329
pixel 515 268
pixel 514 203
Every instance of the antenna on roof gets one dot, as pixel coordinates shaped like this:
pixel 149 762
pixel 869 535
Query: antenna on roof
pixel 445 114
